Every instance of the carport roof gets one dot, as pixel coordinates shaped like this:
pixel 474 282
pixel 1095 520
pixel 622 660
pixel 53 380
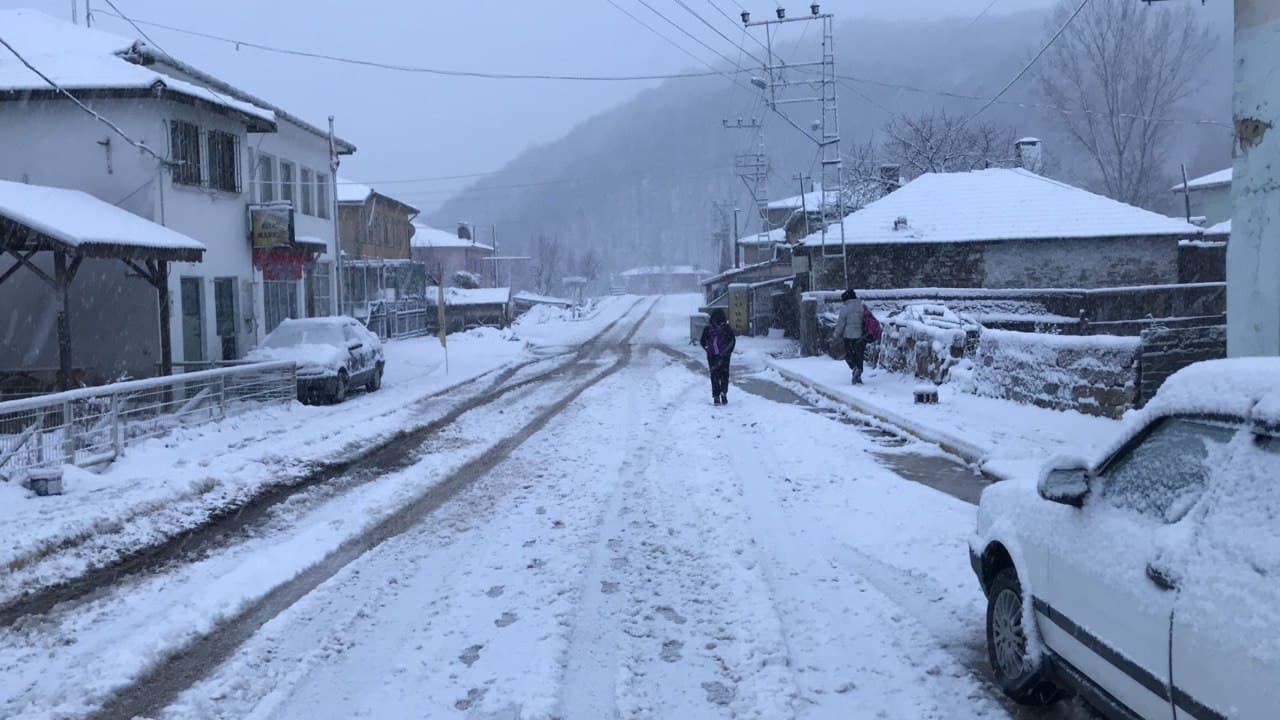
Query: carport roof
pixel 37 217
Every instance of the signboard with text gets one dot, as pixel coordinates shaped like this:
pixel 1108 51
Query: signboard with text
pixel 271 226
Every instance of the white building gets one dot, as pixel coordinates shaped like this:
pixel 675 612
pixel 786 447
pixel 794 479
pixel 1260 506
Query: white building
pixel 1210 197
pixel 198 180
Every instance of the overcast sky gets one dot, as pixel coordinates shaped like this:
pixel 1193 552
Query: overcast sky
pixel 422 126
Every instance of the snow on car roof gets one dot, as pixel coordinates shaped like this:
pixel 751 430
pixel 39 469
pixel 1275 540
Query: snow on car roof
pixel 1238 387
pixel 996 204
pixel 79 58
pixel 81 220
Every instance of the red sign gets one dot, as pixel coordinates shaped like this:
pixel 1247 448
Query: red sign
pixel 280 263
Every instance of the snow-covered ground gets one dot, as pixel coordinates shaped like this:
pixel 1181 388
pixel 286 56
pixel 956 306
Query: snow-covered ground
pixel 174 482
pixel 641 555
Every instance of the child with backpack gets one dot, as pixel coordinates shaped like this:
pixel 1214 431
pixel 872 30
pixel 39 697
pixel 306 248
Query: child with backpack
pixel 718 340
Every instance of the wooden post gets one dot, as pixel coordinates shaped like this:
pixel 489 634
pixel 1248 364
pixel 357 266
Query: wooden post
pixel 62 283
pixel 160 278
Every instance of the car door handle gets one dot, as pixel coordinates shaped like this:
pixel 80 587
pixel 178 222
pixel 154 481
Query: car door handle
pixel 1162 577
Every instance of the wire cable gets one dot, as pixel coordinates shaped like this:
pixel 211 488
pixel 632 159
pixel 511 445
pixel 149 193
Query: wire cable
pixel 1027 67
pixel 445 72
pixel 657 32
pixel 115 128
pixel 717 31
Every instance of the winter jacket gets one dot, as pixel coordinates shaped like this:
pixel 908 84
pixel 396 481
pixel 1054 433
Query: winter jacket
pixel 849 321
pixel 718 338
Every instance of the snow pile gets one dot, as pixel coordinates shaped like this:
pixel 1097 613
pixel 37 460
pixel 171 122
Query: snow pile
pixel 926 340
pixel 1222 387
pixel 1094 374
pixel 543 314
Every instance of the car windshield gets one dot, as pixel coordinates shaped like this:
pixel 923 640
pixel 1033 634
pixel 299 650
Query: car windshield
pixel 292 334
pixel 1165 474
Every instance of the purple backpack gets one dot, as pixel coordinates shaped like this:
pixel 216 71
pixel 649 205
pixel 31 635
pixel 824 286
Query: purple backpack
pixel 870 325
pixel 715 339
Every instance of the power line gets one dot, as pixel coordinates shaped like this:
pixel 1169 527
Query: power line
pixel 653 30
pixel 81 105
pixel 1024 70
pixel 446 72
pixel 402 181
pixel 982 14
pixel 733 22
pixel 682 29
pixel 717 31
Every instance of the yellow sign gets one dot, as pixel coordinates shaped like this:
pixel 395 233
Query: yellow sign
pixel 271 225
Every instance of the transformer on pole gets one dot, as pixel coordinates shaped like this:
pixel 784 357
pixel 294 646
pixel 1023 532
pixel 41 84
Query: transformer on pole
pixel 791 85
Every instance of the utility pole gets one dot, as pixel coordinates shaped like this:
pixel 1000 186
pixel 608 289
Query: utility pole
pixel 753 169
pixel 787 86
pixel 333 213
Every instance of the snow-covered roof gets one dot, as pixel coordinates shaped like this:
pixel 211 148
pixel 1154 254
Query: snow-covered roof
pixel 811 200
pixel 425 236
pixel 536 299
pixel 91 226
pixel 773 237
pixel 1238 387
pixel 664 270
pixel 477 296
pixel 1221 178
pixel 997 204
pixel 1222 228
pixel 78 58
pixel 350 191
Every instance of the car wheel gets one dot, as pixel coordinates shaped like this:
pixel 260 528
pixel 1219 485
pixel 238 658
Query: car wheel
pixel 1019 675
pixel 340 387
pixel 375 381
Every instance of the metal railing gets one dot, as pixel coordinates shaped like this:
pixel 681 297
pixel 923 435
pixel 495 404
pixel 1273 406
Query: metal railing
pixel 402 318
pixel 91 426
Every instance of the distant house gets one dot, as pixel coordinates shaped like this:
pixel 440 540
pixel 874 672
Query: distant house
pixel 445 254
pixel 997 228
pixel 663 280
pixel 464 309
pixel 373 226
pixel 1210 197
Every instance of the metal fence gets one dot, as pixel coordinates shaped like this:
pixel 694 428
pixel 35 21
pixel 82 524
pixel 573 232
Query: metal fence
pixel 91 426
pixel 406 317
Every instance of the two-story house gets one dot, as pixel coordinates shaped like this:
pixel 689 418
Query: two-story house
pixel 73 128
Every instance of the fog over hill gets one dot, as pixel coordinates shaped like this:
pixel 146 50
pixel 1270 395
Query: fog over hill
pixel 637 183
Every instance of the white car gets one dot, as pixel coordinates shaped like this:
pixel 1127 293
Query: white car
pixel 1148 579
pixel 333 355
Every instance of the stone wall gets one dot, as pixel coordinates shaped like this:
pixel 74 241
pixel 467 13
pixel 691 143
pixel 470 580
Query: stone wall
pixel 1096 375
pixel 925 351
pixel 1166 350
pixel 1059 263
pixel 1202 262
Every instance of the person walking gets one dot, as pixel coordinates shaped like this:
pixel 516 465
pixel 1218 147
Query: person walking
pixel 718 340
pixel 850 327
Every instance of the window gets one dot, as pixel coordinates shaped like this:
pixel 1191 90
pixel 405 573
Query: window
pixel 286 181
pixel 266 178
pixel 280 301
pixel 1165 474
pixel 224 161
pixel 319 290
pixel 308 192
pixel 322 196
pixel 184 152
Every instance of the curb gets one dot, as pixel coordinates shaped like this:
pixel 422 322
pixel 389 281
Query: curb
pixel 965 450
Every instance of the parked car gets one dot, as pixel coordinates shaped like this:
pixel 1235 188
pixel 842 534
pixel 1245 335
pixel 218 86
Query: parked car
pixel 1148 580
pixel 333 355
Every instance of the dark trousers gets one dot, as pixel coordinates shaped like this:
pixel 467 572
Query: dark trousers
pixel 719 374
pixel 854 351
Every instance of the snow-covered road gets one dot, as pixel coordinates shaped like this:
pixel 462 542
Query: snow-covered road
pixel 637 554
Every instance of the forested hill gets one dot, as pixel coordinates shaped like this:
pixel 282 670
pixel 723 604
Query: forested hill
pixel 637 183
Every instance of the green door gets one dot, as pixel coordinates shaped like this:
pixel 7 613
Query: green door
pixel 192 320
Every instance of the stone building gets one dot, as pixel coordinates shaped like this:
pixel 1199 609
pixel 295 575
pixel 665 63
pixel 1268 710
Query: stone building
pixel 996 229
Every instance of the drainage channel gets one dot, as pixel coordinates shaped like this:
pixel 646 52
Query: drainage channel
pixel 185 667
pixel 235 522
pixel 940 471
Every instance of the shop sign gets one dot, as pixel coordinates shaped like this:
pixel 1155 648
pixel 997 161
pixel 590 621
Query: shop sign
pixel 271 226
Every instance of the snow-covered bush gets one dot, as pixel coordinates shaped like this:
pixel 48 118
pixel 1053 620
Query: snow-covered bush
pixel 927 340
pixel 466 280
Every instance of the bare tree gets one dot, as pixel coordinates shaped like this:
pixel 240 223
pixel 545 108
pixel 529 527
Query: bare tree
pixel 939 142
pixel 1116 69
pixel 590 264
pixel 546 263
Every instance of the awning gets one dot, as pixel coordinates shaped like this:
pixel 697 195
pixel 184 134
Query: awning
pixel 36 217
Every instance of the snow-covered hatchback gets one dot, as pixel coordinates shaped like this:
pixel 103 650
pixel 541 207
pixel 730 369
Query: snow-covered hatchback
pixel 1148 579
pixel 333 354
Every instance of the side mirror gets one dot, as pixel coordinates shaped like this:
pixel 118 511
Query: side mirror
pixel 1065 482
pixel 355 345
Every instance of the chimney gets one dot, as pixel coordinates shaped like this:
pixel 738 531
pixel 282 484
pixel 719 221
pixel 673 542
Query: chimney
pixel 890 177
pixel 1028 153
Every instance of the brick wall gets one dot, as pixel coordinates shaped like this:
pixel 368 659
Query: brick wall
pixel 1166 350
